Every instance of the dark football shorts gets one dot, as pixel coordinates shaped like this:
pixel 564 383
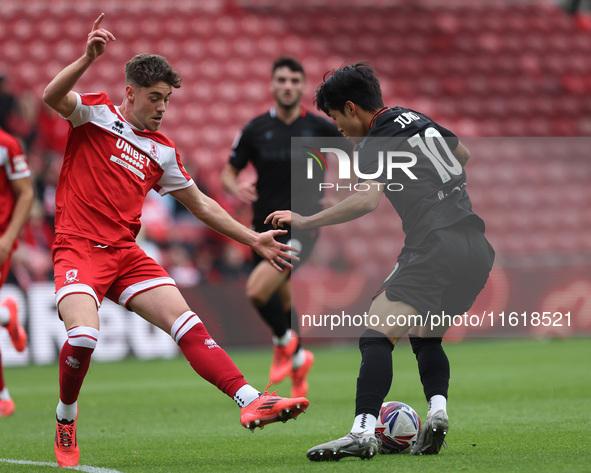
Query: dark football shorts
pixel 303 240
pixel 444 273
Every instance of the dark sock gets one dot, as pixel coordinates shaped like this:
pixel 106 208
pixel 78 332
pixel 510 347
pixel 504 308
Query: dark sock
pixel 375 372
pixel 274 315
pixel 433 365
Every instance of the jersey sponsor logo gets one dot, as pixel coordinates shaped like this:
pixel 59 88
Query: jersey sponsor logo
pixel 71 276
pixel 118 127
pixel 128 166
pixel 131 159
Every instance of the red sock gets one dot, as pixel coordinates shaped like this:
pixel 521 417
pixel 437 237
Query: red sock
pixel 73 366
pixel 210 361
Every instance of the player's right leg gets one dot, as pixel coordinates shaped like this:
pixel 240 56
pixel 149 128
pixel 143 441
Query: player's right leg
pixel 80 315
pixel 165 307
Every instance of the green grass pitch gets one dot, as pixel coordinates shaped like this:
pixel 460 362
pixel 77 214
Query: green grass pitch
pixel 515 406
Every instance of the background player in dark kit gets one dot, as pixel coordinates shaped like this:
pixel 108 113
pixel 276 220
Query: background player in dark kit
pixel 443 266
pixel 266 143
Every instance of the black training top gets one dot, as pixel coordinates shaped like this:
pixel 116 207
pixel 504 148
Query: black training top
pixel 266 142
pixel 427 194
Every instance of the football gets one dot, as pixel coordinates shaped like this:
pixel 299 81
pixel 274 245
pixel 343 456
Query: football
pixel 397 427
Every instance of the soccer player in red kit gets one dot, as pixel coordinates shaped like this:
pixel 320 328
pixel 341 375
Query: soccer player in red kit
pixel 16 199
pixel 114 156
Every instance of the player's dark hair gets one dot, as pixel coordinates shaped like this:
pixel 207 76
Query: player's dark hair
pixel 286 61
pixel 145 70
pixel 357 83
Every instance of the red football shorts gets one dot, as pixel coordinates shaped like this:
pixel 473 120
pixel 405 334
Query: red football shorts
pixel 83 266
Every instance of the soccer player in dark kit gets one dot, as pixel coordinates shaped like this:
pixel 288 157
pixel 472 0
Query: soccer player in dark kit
pixel 266 142
pixel 445 261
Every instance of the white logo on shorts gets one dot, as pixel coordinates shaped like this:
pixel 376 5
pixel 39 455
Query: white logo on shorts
pixel 71 276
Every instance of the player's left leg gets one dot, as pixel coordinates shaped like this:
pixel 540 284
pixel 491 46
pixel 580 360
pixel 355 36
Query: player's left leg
pixel 465 257
pixel 434 371
pixel 164 307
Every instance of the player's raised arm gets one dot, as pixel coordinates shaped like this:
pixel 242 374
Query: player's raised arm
pixel 58 94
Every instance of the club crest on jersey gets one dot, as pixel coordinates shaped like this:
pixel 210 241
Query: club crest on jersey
pixel 71 276
pixel 154 151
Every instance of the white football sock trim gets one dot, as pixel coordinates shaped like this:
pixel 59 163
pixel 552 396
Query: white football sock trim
pixel 183 324
pixel 437 403
pixel 86 337
pixel 245 395
pixel 364 424
pixel 66 412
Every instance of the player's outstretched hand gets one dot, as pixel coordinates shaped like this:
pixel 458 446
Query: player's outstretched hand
pixel 276 253
pixel 280 218
pixel 98 39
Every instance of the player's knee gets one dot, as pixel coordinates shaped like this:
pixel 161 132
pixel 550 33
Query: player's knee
pixel 374 337
pixel 256 297
pixel 86 337
pixel 418 343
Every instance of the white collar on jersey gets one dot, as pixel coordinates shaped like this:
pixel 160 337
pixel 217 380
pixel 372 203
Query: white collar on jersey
pixel 123 118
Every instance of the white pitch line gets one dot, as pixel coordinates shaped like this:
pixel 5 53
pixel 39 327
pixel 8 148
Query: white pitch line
pixel 86 468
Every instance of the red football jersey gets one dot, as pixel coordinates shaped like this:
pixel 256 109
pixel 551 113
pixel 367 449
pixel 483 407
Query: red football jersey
pixel 13 165
pixel 109 168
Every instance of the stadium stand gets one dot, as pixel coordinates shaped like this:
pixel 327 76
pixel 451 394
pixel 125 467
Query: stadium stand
pixel 484 69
